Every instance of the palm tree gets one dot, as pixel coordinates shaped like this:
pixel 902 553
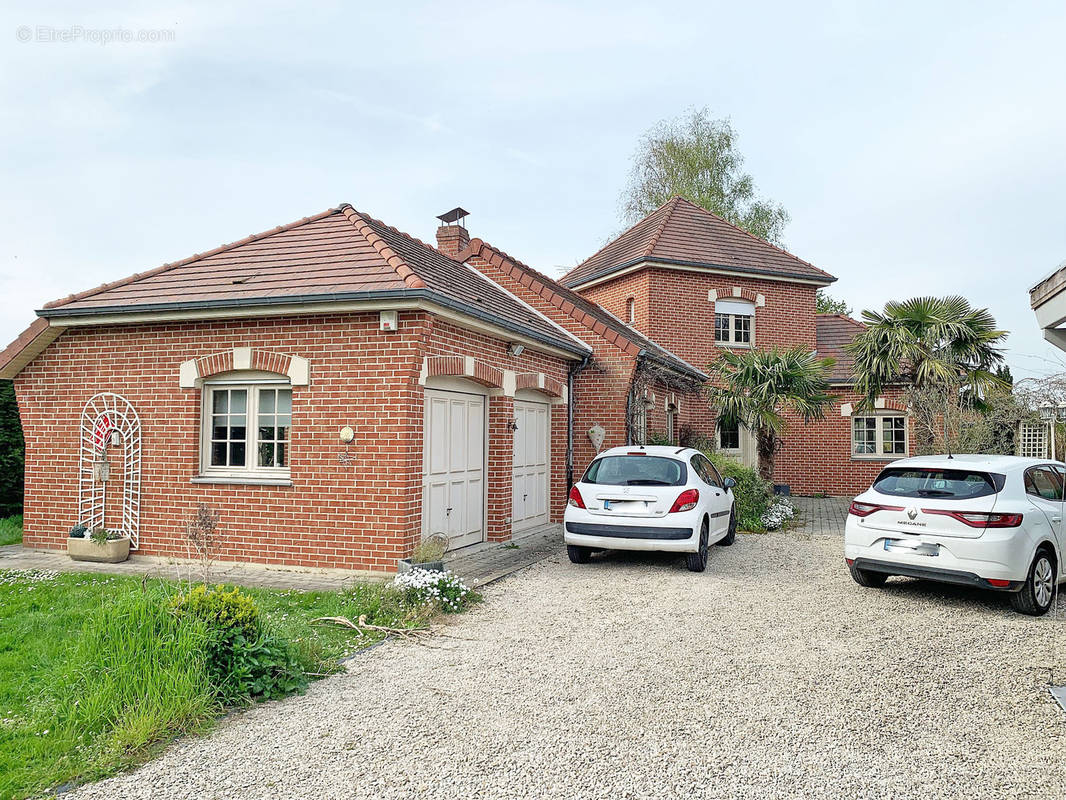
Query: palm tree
pixel 758 387
pixel 927 343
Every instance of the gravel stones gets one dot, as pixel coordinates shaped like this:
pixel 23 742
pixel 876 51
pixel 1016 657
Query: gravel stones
pixel 771 674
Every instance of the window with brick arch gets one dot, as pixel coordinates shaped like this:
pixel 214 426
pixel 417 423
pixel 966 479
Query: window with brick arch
pixel 734 323
pixel 246 425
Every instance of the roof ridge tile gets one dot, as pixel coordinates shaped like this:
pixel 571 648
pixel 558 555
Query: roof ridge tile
pixel 672 202
pixel 566 295
pixel 616 238
pixel 407 273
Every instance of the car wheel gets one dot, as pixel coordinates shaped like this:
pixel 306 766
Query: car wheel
pixel 865 577
pixel 731 534
pixel 697 562
pixel 1038 592
pixel 578 554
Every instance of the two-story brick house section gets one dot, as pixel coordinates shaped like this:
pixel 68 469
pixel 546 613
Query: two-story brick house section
pixel 335 388
pixel 696 284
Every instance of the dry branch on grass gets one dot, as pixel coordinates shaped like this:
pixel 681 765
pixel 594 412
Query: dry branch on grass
pixel 361 625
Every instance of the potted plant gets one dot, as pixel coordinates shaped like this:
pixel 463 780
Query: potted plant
pixel 428 555
pixel 99 544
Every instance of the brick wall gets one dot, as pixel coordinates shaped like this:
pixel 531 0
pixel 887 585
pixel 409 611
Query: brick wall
pixel 361 515
pixel 600 390
pixel 816 457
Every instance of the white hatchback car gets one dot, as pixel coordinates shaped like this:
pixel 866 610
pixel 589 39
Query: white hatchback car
pixel 994 522
pixel 650 498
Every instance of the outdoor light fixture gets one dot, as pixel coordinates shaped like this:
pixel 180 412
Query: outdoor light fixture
pixel 347 434
pixel 514 349
pixel 1061 411
pixel 1047 411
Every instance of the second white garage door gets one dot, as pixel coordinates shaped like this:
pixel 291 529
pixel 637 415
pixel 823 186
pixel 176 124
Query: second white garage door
pixel 453 490
pixel 529 480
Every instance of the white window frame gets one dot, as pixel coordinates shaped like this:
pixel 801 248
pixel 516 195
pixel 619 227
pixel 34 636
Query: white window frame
pixel 631 311
pixel 718 438
pixel 879 434
pixel 250 471
pixel 731 313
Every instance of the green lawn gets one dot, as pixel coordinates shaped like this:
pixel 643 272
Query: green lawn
pixel 49 626
pixel 11 530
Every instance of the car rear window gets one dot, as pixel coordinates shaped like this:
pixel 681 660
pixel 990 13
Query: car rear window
pixel 941 483
pixel 636 470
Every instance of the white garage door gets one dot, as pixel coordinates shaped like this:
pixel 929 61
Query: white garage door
pixel 453 489
pixel 529 480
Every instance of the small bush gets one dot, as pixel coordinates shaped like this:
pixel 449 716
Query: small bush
pixel 245 661
pixel 226 610
pixel 443 590
pixel 753 494
pixel 780 511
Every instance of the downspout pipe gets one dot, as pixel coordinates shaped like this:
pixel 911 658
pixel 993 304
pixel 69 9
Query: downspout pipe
pixel 572 372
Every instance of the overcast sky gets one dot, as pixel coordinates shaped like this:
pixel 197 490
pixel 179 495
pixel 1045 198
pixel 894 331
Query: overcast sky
pixel 920 148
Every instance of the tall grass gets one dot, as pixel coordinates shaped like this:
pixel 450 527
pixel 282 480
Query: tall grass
pixel 133 677
pixel 11 530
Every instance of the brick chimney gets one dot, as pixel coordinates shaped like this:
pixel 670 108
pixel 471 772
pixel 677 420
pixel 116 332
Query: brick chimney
pixel 452 235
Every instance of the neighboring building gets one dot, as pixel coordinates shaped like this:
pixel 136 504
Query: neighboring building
pixel 339 389
pixel 1048 300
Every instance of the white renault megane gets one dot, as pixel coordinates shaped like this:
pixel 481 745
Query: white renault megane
pixel 650 498
pixel 994 522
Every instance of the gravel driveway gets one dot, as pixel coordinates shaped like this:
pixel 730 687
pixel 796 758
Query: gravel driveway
pixel 771 674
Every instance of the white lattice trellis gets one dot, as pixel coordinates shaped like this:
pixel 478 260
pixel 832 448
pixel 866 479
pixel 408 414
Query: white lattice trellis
pixel 109 423
pixel 1032 440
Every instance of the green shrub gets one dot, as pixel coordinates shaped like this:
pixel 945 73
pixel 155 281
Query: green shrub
pixel 226 610
pixel 245 660
pixel 753 494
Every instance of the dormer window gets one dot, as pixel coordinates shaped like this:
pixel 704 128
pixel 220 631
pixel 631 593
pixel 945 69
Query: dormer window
pixel 734 323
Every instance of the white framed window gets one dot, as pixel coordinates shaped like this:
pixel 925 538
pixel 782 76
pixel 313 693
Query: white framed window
pixel 879 436
pixel 631 311
pixel 245 429
pixel 734 323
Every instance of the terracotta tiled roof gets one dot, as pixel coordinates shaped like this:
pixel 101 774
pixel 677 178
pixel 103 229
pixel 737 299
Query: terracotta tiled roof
pixel 834 331
pixel 681 232
pixel 591 315
pixel 340 254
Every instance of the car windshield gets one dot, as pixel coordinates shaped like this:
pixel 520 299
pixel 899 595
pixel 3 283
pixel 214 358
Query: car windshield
pixel 939 483
pixel 636 470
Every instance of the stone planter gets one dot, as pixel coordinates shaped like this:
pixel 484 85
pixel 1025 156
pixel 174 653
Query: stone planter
pixel 110 552
pixel 406 565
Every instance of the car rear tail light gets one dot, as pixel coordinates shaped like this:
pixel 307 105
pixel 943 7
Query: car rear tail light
pixel 575 498
pixel 686 501
pixel 866 509
pixel 979 519
pixel 998 583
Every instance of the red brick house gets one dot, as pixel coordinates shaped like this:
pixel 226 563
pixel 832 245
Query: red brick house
pixel 696 284
pixel 339 389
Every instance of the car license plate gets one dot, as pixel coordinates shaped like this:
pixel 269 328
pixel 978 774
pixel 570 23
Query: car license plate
pixel 917 548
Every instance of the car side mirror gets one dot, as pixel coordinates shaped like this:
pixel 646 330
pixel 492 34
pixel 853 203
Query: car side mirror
pixel 729 483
